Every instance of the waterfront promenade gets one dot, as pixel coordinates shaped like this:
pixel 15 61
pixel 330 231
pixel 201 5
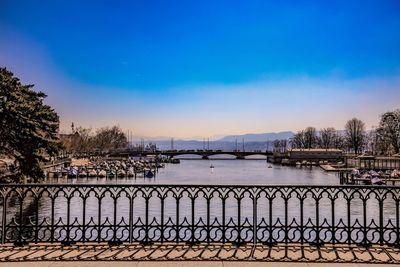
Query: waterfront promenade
pixel 187 264
pixel 184 255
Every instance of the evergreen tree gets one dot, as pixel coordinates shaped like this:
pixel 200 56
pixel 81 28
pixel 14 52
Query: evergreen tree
pixel 28 127
pixel 388 132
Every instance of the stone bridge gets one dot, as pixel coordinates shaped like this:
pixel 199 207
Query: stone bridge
pixel 205 154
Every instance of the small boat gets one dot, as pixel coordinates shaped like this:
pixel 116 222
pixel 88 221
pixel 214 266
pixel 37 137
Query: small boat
pixel 130 172
pixel 212 166
pixel 285 162
pixel 92 173
pixel 72 173
pixel 395 174
pixel 111 174
pixel 121 173
pixel 355 172
pixel 269 166
pixel 175 161
pixel 374 174
pixel 366 178
pixel 148 174
pixel 377 181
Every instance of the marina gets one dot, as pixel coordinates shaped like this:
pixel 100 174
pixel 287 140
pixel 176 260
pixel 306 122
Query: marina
pixel 367 177
pixel 218 170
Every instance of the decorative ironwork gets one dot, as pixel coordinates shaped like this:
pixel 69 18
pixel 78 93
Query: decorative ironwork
pixel 198 214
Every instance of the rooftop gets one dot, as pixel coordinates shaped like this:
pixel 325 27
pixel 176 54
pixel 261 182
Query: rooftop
pixel 315 150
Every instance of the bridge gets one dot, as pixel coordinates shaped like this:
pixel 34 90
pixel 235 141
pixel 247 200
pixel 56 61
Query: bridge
pixel 205 154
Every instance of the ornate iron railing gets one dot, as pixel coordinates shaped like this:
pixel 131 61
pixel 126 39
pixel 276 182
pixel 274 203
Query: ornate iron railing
pixel 363 215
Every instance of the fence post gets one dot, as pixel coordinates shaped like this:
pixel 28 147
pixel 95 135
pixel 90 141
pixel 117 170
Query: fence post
pixel 255 217
pixel 4 218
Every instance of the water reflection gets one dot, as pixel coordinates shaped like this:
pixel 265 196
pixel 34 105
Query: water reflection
pixel 241 172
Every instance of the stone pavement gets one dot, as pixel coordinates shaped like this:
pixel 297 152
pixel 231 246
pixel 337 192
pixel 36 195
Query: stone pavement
pixel 186 264
pixel 197 255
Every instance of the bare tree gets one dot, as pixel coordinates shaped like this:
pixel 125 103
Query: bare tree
pixel 284 145
pixel 310 137
pixel 280 145
pixel 355 134
pixel 83 143
pixel 79 141
pixel 339 141
pixel 327 137
pixel 298 141
pixel 107 139
pixel 104 140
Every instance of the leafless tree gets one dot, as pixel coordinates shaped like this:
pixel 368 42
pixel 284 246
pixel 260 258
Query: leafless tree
pixel 339 141
pixel 355 134
pixel 310 137
pixel 108 138
pixel 280 145
pixel 104 140
pixel 298 141
pixel 79 141
pixel 327 138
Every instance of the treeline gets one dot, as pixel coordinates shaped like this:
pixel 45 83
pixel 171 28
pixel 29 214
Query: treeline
pixel 103 140
pixel 381 140
pixel 326 138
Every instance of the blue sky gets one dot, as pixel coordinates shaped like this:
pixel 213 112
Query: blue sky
pixel 206 68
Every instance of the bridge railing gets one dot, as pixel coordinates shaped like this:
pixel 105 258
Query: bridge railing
pixel 363 215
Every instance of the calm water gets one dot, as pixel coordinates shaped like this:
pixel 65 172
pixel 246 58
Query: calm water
pixel 243 172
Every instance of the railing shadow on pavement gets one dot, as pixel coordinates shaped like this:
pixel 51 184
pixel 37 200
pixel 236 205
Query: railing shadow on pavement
pixel 293 223
pixel 200 252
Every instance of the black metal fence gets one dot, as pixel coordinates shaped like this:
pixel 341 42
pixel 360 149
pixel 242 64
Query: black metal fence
pixel 363 215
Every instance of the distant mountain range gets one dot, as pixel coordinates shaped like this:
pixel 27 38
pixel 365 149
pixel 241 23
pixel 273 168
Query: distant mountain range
pixel 262 141
pixel 261 137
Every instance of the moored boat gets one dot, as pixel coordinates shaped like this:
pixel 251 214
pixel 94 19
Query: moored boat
pixel 148 174
pixel 72 172
pixel 377 181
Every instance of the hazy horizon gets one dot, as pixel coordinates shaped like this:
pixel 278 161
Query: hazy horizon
pixel 194 70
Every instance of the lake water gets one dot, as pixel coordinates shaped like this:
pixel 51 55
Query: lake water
pixel 241 172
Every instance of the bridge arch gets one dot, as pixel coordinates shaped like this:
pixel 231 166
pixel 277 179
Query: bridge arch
pixel 256 156
pixel 187 155
pixel 222 156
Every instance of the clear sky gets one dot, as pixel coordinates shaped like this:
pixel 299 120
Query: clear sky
pixel 205 68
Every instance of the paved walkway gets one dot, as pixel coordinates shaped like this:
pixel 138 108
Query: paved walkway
pixel 186 264
pixel 198 255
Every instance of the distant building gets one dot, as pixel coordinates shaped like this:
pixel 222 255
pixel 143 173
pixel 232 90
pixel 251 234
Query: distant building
pixel 68 137
pixel 315 154
pixel 69 141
